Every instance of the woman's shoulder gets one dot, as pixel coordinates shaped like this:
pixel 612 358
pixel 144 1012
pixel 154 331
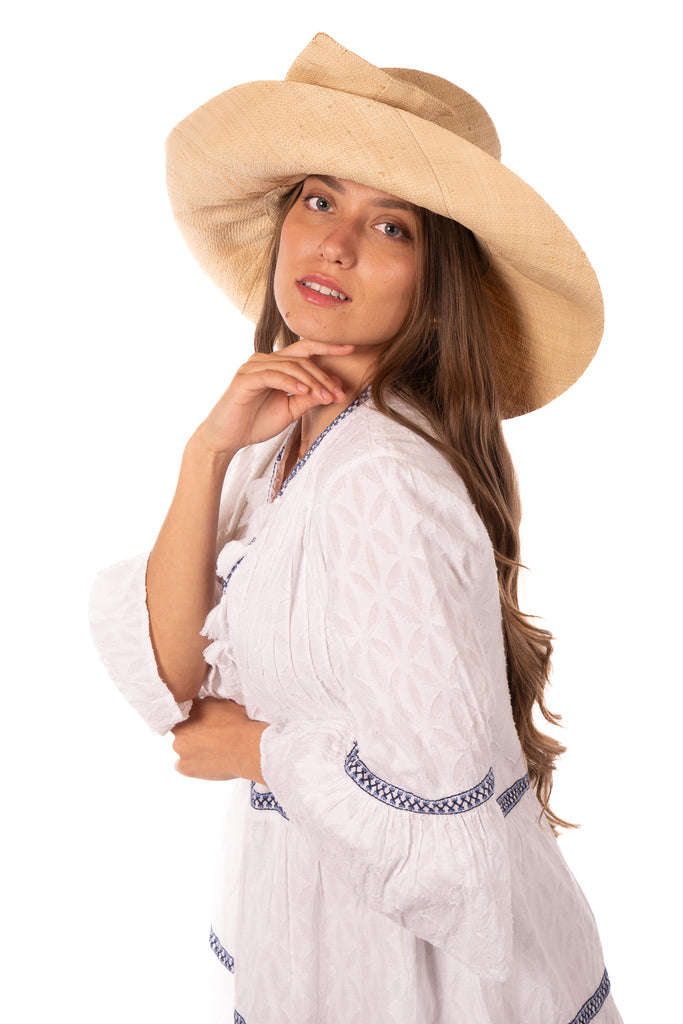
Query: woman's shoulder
pixel 395 448
pixel 379 460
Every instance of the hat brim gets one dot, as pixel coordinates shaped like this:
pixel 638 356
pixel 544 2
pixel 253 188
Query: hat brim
pixel 230 154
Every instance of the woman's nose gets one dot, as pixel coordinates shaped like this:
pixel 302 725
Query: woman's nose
pixel 340 244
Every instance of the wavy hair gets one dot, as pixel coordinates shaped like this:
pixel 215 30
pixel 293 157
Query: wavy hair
pixel 441 365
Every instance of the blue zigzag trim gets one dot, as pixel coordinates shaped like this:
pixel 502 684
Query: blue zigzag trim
pixel 513 794
pixel 225 958
pixel 458 803
pixel 362 397
pixel 239 1019
pixel 265 801
pixel 592 1006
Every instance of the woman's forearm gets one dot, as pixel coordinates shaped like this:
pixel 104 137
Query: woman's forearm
pixel 267 394
pixel 181 572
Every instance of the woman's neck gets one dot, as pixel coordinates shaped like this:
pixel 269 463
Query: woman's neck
pixel 353 371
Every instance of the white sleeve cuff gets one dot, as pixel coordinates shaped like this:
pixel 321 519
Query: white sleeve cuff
pixel 120 628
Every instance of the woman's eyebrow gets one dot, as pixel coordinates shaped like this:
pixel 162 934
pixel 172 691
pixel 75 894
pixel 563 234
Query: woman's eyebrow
pixel 332 183
pixel 393 204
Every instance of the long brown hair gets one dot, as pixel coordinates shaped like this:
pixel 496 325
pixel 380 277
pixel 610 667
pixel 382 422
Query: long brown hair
pixel 441 365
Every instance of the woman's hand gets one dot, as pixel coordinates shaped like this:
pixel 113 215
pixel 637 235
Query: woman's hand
pixel 269 392
pixel 218 742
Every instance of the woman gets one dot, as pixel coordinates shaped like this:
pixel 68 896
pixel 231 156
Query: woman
pixel 395 864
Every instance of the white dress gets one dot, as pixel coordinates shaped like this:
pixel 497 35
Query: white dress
pixel 394 869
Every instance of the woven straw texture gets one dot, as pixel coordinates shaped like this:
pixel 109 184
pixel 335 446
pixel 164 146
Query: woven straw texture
pixel 410 134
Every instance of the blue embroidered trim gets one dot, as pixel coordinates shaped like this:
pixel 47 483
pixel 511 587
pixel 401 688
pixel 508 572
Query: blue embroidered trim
pixel 592 1006
pixel 513 794
pixel 265 801
pixel 395 797
pixel 278 460
pixel 239 1019
pixel 222 954
pixel 362 397
pixel 232 571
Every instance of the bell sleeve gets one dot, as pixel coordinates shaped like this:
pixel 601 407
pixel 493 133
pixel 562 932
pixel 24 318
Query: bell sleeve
pixel 119 619
pixel 396 791
pixel 119 625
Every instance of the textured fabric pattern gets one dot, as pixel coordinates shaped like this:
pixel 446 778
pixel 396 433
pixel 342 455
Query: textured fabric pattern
pixel 365 612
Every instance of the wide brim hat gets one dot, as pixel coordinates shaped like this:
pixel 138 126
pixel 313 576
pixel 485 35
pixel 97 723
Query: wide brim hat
pixel 415 136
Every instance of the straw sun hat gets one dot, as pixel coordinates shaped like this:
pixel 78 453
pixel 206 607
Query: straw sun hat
pixel 407 133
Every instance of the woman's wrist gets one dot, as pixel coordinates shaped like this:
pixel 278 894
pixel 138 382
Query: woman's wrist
pixel 202 455
pixel 251 761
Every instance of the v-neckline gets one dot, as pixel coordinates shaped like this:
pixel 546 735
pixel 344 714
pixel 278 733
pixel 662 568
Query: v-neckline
pixel 293 439
pixel 277 483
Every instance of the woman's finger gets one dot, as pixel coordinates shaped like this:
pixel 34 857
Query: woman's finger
pixel 294 381
pixel 304 371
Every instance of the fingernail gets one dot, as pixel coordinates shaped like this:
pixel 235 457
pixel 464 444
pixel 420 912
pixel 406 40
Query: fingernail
pixel 302 387
pixel 325 394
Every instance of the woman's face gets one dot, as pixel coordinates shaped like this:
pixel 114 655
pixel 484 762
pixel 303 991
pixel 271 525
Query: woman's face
pixel 346 267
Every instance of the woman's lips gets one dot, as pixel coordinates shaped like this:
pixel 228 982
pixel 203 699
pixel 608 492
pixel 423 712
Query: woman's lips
pixel 322 291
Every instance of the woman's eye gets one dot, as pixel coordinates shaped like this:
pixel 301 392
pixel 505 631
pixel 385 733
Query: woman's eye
pixel 318 203
pixel 393 230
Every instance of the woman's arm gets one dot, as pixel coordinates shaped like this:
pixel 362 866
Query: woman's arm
pixel 393 784
pixel 267 394
pixel 181 572
pixel 219 741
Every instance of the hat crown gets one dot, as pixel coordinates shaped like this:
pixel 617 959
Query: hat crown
pixel 327 64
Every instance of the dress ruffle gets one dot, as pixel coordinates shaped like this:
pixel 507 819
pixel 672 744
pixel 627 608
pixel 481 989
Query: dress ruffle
pixel 223 679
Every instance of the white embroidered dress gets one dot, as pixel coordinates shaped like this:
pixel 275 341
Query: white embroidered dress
pixel 394 869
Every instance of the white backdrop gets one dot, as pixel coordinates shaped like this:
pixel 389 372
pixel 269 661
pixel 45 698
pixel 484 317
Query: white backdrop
pixel 115 346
